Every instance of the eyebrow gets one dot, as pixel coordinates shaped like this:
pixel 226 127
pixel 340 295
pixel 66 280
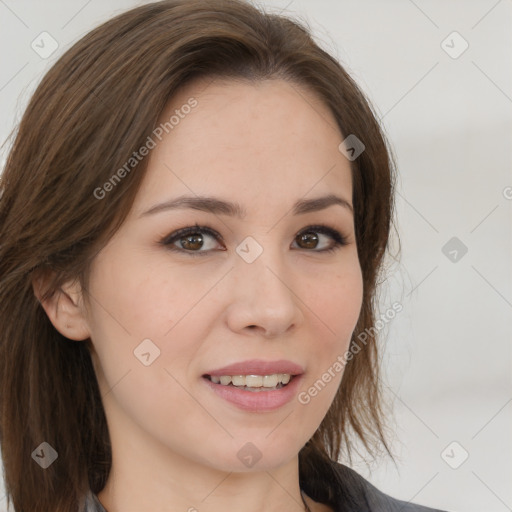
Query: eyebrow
pixel 221 207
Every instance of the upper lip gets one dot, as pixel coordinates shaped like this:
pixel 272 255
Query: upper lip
pixel 258 367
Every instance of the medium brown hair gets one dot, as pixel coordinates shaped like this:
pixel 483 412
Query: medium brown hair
pixel 92 110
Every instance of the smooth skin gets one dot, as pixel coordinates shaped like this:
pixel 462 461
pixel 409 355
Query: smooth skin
pixel 264 145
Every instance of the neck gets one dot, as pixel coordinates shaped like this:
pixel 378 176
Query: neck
pixel 203 489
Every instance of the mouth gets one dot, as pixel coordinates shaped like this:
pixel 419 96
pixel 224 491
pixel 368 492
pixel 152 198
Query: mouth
pixel 256 385
pixel 253 383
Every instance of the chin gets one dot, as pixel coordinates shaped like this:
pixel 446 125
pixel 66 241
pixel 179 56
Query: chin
pixel 244 456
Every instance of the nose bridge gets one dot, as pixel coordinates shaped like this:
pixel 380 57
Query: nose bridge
pixel 265 298
pixel 267 259
pixel 268 275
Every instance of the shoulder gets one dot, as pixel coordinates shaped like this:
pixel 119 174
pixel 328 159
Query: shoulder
pixel 345 490
pixel 381 502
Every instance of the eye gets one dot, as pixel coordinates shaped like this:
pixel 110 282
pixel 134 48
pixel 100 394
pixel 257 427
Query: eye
pixel 191 240
pixel 310 238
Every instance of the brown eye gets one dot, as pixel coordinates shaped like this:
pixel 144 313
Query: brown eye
pixel 309 239
pixel 194 241
pixel 191 242
pixel 201 240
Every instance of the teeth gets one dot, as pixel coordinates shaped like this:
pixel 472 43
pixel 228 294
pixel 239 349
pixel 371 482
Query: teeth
pixel 253 381
pixel 238 380
pixel 270 381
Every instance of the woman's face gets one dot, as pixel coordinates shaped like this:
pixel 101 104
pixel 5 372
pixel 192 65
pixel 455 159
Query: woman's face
pixel 259 288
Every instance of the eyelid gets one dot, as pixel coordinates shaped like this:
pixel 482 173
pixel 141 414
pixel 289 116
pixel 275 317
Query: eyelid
pixel 192 229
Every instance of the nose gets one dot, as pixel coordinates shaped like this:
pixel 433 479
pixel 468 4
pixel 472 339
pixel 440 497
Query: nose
pixel 263 299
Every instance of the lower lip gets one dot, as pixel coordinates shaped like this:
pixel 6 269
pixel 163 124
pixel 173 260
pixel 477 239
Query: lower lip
pixel 257 401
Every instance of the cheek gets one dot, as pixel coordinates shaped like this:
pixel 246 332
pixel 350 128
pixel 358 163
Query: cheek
pixel 336 303
pixel 146 314
pixel 142 300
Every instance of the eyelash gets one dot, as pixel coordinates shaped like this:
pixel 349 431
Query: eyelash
pixel 339 239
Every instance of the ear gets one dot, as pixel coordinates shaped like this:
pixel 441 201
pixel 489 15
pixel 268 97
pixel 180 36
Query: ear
pixel 64 308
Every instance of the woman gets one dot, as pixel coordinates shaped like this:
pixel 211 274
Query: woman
pixel 193 218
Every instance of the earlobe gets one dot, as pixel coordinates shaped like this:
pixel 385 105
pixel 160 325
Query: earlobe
pixel 64 308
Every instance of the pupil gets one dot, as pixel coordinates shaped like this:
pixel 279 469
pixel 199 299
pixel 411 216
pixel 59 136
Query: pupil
pixel 310 239
pixel 195 240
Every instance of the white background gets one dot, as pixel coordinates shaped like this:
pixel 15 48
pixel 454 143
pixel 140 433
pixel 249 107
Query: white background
pixel 447 354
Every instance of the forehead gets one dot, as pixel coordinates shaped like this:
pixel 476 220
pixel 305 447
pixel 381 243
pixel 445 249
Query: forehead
pixel 229 137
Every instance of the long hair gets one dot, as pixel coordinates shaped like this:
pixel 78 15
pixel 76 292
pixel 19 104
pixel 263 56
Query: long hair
pixel 94 108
